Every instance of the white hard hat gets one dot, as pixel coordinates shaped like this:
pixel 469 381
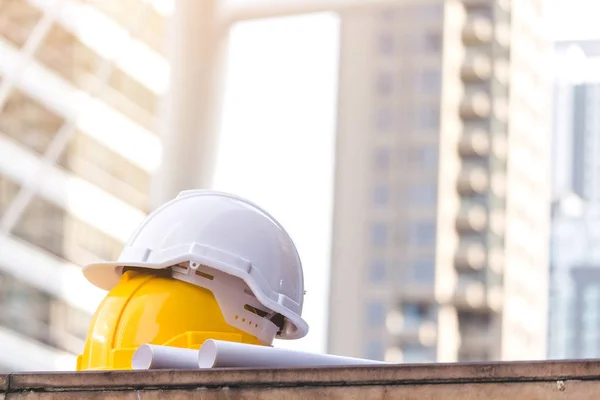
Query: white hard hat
pixel 220 236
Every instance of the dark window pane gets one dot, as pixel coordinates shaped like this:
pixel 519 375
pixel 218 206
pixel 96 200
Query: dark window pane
pixel 429 81
pixel 430 42
pixel 423 271
pixel 385 83
pixel 377 271
pixel 374 350
pixel 382 159
pixel 386 43
pixel 429 118
pixel 381 195
pixel 422 233
pixel 379 234
pixel 423 195
pixel 384 119
pixel 375 314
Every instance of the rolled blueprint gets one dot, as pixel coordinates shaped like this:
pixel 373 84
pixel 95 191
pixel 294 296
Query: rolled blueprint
pixel 222 354
pixel 149 356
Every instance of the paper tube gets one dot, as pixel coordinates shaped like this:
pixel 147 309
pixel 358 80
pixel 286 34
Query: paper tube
pixel 222 354
pixel 150 356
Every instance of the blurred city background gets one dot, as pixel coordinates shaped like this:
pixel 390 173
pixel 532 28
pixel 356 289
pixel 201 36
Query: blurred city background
pixel 437 162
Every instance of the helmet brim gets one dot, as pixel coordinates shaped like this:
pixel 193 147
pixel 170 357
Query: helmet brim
pixel 106 275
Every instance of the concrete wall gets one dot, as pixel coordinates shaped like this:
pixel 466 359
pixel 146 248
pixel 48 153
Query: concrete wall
pixel 516 381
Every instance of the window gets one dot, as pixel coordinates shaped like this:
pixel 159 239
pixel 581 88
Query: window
pixel 405 120
pixel 8 192
pixel 381 195
pixel 134 91
pixel 42 224
pixel 29 122
pixel 386 43
pixel 384 83
pixel 430 42
pixel 153 29
pixel 65 53
pixel 435 10
pixel 473 356
pixel 25 309
pixel 374 350
pixel 423 195
pixel 428 156
pixel 17 19
pixel 474 324
pixel 377 271
pixel 422 233
pixel 429 81
pixel 379 234
pixel 107 169
pixel 382 159
pixel 423 271
pixel 415 314
pixel 590 320
pixel 429 118
pixel 425 156
pixel 69 320
pixel 480 11
pixel 384 119
pixel 387 15
pixel 416 353
pixel 92 240
pixel 375 314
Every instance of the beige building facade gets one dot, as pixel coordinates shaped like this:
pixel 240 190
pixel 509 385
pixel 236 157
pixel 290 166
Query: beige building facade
pixel 79 83
pixel 441 217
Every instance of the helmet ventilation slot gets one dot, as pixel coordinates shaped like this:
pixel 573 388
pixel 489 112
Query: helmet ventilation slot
pixel 256 311
pixel 205 275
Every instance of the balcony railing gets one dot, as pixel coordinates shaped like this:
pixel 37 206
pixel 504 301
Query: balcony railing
pixel 476 106
pixel 474 143
pixel 470 257
pixel 472 181
pixel 476 69
pixel 471 219
pixel 478 31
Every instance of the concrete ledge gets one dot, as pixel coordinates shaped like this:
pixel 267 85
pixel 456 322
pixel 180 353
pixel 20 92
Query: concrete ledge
pixel 515 381
pixel 3 385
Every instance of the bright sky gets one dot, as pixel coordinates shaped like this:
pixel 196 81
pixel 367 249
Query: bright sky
pixel 277 141
pixel 573 19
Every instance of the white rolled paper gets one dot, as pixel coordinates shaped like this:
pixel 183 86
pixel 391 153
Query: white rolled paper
pixel 223 354
pixel 149 356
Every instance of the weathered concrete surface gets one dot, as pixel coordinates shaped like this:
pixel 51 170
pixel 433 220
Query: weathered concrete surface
pixel 515 381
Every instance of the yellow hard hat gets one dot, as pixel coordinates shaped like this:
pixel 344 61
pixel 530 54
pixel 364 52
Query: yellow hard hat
pixel 146 308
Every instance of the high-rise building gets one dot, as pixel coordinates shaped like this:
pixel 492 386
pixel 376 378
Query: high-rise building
pixel 441 217
pixel 575 260
pixel 576 128
pixel 81 76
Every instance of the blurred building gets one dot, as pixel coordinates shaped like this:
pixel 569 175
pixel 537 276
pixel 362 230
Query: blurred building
pixel 83 75
pixel 574 315
pixel 442 185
